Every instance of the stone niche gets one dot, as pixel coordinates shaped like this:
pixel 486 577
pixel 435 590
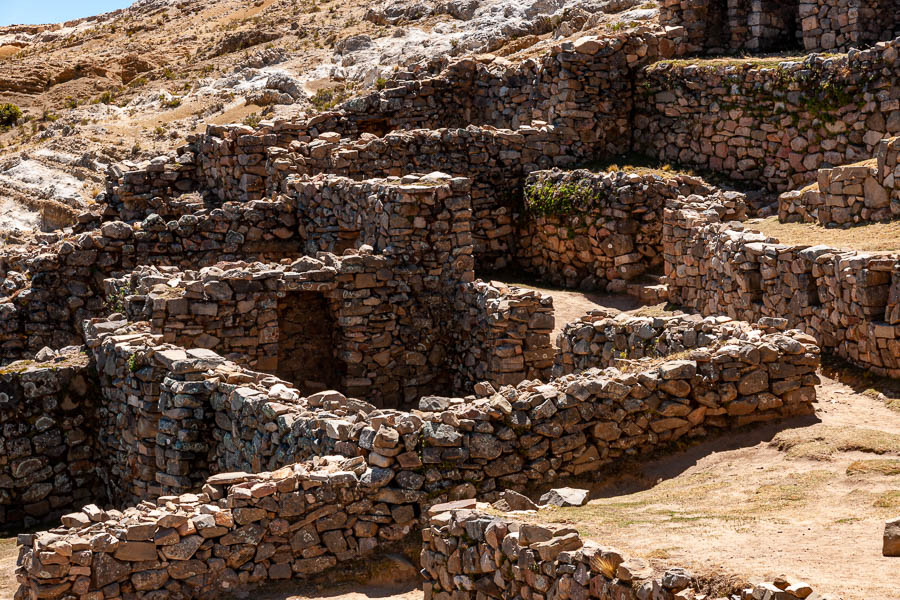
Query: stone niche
pixel 306 343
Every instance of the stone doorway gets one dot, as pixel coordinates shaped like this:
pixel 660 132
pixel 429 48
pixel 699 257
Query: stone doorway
pixel 306 343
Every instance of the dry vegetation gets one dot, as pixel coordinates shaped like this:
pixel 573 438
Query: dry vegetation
pixel 875 237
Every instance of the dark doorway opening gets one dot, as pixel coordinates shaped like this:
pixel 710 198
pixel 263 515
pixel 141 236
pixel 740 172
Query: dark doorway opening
pixel 718 32
pixel 306 343
pixel 783 25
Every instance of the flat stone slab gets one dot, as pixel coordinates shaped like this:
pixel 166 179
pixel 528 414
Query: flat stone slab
pixel 565 497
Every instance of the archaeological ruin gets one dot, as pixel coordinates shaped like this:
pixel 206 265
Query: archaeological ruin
pixel 276 350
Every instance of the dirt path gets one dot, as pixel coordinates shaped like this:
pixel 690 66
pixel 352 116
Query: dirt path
pixel 295 591
pixel 569 305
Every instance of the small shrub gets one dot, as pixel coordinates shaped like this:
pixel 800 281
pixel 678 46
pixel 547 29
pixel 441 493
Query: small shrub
pixel 252 120
pixel 380 83
pixel 9 114
pixel 173 102
pixel 328 99
pixel 559 198
pixel 106 97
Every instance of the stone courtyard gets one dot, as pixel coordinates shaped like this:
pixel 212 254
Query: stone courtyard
pixel 279 350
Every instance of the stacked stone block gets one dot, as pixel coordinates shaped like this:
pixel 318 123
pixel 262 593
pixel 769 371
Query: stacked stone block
pixel 845 24
pixel 579 87
pixel 470 554
pixel 48 441
pixel 598 340
pixel 386 467
pixel 775 125
pixel 241 531
pixel 586 230
pixel 502 335
pixel 846 300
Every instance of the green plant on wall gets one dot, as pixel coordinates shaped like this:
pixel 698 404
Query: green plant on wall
pixel 560 198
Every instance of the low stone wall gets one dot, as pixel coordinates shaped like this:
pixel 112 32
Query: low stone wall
pixel 800 206
pixel 502 334
pixel 598 340
pixel 496 161
pixel 242 530
pixel 772 124
pixel 471 554
pixel 395 335
pixel 423 221
pixel 63 282
pixel 849 301
pixel 851 194
pixel 259 422
pixel 584 230
pixel 579 87
pixel 48 443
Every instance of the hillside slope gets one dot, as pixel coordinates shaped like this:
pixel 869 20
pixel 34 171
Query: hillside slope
pixel 133 83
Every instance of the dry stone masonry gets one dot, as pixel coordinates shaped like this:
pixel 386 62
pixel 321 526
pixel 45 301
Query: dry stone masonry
pixel 268 353
pixel 848 195
pixel 373 472
pixel 48 413
pixel 470 554
pixel 720 26
pixel 594 230
pixel 847 300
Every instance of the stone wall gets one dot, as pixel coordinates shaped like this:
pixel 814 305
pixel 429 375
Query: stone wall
pixel 862 192
pixel 497 162
pixel 845 24
pixel 717 26
pixel 849 301
pixel 598 340
pixel 581 88
pixel 723 27
pixel 771 124
pixel 424 222
pixel 471 554
pixel 52 291
pixel 244 529
pixel 584 230
pixel 241 531
pixel 502 335
pixel 209 415
pixel 48 441
pixel 396 337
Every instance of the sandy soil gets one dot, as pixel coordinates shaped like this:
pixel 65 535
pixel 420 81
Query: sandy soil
pixel 400 591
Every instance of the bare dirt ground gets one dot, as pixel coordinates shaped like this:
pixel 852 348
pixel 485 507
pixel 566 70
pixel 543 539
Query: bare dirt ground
pixel 806 499
pixel 569 305
pixel 399 591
